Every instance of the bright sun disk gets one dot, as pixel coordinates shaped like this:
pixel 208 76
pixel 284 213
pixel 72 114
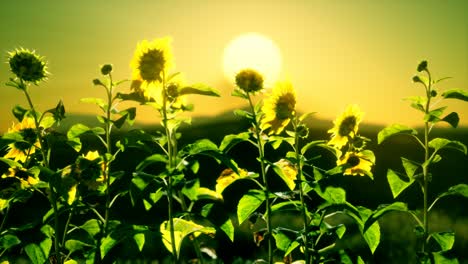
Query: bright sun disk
pixel 253 51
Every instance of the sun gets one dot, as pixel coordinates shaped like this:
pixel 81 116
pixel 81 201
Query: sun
pixel 253 51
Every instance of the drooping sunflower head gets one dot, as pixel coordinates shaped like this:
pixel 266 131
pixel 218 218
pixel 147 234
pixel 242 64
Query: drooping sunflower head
pixel 249 80
pixel 152 60
pixel 29 142
pixel 345 126
pixel 91 170
pixel 26 178
pixel 279 108
pixel 357 163
pixel 27 65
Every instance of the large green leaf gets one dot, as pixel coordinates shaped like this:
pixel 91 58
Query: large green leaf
pixel 394 129
pixel 440 258
pixel 151 160
pixel 249 203
pixel 282 241
pixel 229 141
pixel 97 101
pixel 434 115
pixel 441 143
pixel 182 228
pixel 200 89
pixel 456 94
pixel 228 228
pixel 397 184
pixel 322 144
pixel 92 227
pixel 287 171
pixel 199 146
pixel 194 192
pixel 452 119
pixel 120 233
pixel 333 195
pixel 371 233
pixel 417 102
pixel 76 245
pixel 444 239
pixel 35 254
pixel 7 241
pixel 139 239
pixel 457 190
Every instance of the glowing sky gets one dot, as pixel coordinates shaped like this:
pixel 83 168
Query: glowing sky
pixel 334 52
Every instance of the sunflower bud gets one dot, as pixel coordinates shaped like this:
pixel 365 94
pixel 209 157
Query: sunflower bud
pixel 97 82
pixel 27 65
pixel 422 66
pixel 433 93
pixel 249 80
pixel 416 79
pixel 106 69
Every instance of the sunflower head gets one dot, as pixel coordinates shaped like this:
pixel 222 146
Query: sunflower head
pixel 27 65
pixel 357 163
pixel 249 81
pixel 25 147
pixel 345 126
pixel 279 108
pixel 26 178
pixel 152 60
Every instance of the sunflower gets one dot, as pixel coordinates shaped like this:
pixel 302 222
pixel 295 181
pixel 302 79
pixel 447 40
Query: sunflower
pixel 26 178
pixel 21 149
pixel 249 80
pixel 27 65
pixel 356 163
pixel 346 126
pixel 279 107
pixel 151 62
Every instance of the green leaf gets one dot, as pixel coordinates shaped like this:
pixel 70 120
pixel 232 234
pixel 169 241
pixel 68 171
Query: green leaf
pixel 239 93
pixel 200 146
pixel 434 115
pixel 35 254
pixel 457 190
pixel 340 231
pixel 76 245
pixel 19 112
pixel 249 203
pixel 182 228
pixel 139 239
pixel 92 227
pixel 287 204
pixel 228 228
pixel 120 121
pixel 444 239
pixel 452 119
pixel 397 184
pixel 441 143
pixel 229 141
pixel 322 144
pixel 333 195
pixel 287 171
pixel 394 129
pixel 456 94
pixel 440 258
pixel 410 166
pixel 200 89
pixel 7 241
pixel 77 130
pixel 151 160
pixel 371 232
pixel 383 209
pixel 194 192
pixel 243 113
pixel 11 163
pixel 282 241
pixel 417 102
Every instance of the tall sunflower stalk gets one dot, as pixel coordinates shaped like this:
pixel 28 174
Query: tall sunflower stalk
pixel 29 68
pixel 249 82
pixel 152 64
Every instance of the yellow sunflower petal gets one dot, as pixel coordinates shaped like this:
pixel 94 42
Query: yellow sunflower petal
pixel 279 108
pixel 346 125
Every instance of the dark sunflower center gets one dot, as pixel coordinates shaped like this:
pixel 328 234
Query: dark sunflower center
pixel 347 126
pixel 151 65
pixel 172 91
pixel 284 107
pixel 353 161
pixel 29 137
pixel 21 174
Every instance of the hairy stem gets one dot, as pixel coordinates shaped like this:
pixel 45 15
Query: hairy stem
pixel 266 189
pixel 109 151
pixel 300 177
pixel 425 168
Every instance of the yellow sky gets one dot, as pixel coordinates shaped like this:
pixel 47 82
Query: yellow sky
pixel 335 52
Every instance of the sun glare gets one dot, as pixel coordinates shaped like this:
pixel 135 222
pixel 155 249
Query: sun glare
pixel 252 51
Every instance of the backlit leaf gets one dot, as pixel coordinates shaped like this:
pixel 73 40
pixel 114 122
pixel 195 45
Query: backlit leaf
pixel 441 143
pixel 456 94
pixel 394 129
pixel 452 119
pixel 444 239
pixel 200 89
pixel 249 203
pixel 397 184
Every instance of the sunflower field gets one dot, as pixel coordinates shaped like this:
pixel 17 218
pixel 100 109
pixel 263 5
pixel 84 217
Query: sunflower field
pixel 265 186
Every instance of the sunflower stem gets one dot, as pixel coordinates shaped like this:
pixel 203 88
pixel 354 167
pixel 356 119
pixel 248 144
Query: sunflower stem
pixel 170 152
pixel 265 181
pixel 301 192
pixel 45 162
pixel 108 129
pixel 4 220
pixel 426 167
